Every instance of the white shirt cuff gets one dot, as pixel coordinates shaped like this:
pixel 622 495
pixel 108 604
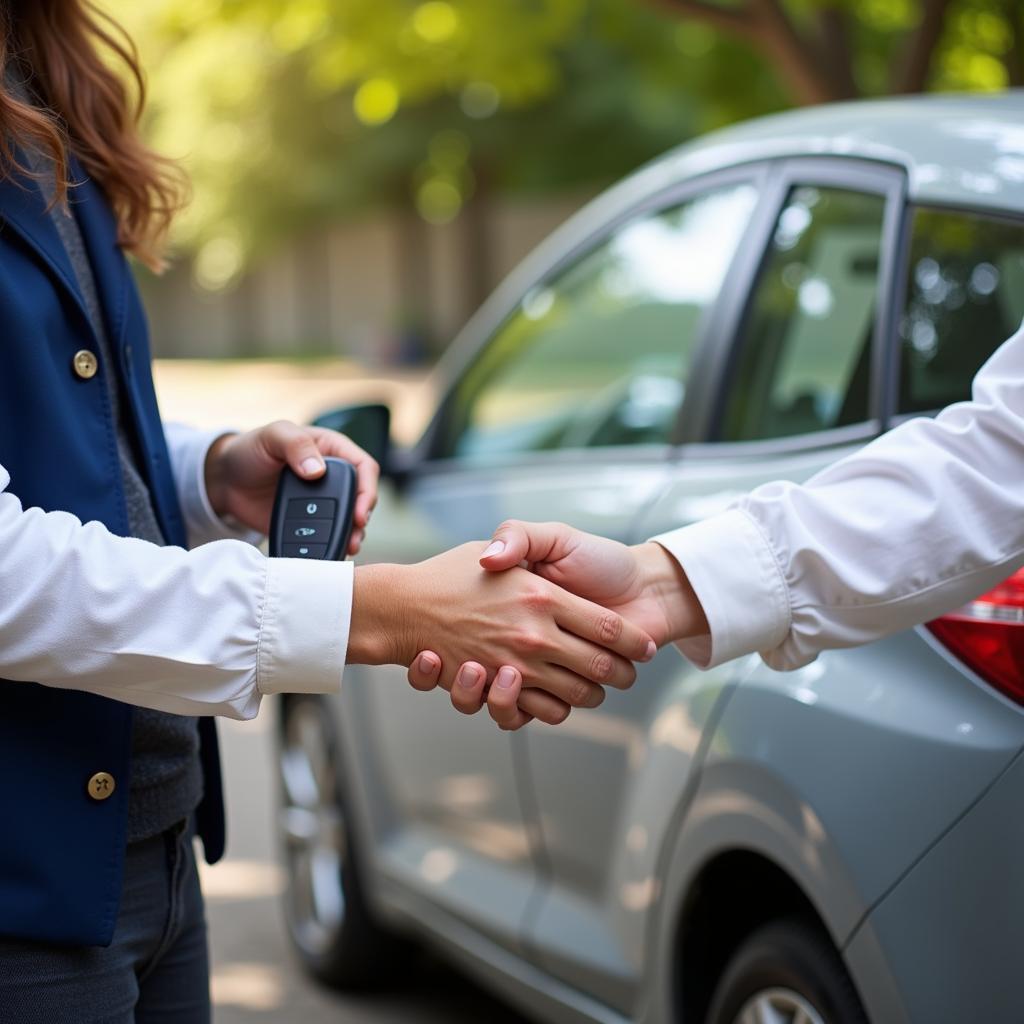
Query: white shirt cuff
pixel 738 582
pixel 304 627
pixel 201 521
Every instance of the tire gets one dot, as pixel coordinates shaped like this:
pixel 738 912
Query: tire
pixel 329 920
pixel 793 968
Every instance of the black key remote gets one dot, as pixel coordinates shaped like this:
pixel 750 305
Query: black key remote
pixel 313 518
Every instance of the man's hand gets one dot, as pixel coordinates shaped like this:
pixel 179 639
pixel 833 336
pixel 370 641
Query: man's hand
pixel 644 584
pixel 242 471
pixel 562 648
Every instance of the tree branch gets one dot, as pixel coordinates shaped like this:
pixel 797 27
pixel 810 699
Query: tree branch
pixel 736 20
pixel 795 55
pixel 766 24
pixel 911 73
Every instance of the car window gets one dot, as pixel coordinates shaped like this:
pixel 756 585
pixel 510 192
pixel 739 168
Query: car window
pixel 965 297
pixel 599 355
pixel 804 351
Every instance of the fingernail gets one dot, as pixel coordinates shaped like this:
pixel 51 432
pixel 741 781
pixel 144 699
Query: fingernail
pixel 496 547
pixel 311 465
pixel 427 665
pixel 652 650
pixel 505 678
pixel 469 677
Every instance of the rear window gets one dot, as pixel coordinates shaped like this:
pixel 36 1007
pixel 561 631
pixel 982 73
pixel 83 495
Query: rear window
pixel 965 297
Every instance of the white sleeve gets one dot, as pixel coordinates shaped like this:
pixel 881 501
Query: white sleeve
pixel 920 521
pixel 202 632
pixel 188 447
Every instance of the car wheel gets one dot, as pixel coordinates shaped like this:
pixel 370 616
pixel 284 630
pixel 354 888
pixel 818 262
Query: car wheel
pixel 329 921
pixel 787 972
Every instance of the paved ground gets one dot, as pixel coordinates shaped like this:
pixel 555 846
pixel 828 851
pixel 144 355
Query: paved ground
pixel 248 393
pixel 255 978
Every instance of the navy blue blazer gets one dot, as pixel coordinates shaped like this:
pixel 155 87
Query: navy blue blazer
pixel 62 853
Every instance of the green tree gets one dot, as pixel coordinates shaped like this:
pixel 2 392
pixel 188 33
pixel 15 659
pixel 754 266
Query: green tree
pixel 828 50
pixel 291 114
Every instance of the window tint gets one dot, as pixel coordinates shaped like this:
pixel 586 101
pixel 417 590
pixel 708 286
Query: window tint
pixel 965 296
pixel 599 355
pixel 805 347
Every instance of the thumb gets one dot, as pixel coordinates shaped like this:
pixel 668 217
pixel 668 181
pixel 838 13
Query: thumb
pixel 515 542
pixel 297 446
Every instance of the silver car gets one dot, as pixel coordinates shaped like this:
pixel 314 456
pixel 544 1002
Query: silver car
pixel 841 843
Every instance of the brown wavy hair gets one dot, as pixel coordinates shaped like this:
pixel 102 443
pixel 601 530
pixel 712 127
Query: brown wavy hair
pixel 87 109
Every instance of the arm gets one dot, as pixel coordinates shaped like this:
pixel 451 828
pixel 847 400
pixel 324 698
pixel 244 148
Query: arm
pixel 204 632
pixel 914 524
pixel 209 631
pixel 911 526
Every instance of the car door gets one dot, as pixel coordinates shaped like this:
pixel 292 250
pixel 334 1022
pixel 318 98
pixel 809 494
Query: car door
pixel 795 364
pixel 566 411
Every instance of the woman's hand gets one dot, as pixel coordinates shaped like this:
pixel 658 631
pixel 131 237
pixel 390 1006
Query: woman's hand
pixel 559 647
pixel 242 471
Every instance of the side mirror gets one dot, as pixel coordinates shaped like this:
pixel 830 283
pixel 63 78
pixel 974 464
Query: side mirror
pixel 368 425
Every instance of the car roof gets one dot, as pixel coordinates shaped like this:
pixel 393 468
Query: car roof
pixel 965 150
pixel 956 149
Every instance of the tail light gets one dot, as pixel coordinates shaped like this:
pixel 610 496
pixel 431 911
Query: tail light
pixel 988 636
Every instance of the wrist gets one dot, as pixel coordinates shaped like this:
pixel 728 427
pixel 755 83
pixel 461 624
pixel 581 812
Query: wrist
pixel 379 618
pixel 215 476
pixel 666 581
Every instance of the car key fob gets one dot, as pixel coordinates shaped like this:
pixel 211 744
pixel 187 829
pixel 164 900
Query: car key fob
pixel 313 518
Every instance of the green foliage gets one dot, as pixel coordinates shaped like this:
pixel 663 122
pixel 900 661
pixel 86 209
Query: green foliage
pixel 290 113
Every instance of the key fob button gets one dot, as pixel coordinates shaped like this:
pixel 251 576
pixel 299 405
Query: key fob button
pixel 311 508
pixel 308 530
pixel 305 550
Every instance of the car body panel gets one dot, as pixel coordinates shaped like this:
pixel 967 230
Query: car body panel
pixel 603 836
pixel 952 930
pixel 556 863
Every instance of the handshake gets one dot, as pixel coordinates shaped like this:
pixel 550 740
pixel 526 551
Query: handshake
pixel 533 624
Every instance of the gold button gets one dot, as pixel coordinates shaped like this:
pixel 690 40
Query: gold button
pixel 86 364
pixel 101 785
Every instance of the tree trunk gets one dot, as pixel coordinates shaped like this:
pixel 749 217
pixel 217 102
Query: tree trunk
pixel 1014 58
pixel 475 219
pixel 911 73
pixel 837 52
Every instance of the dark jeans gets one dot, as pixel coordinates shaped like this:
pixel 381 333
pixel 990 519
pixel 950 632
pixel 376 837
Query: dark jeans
pixel 156 971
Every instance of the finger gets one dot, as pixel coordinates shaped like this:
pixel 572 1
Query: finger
pixel 468 689
pixel 542 706
pixel 330 442
pixel 355 543
pixel 593 662
pixel 425 671
pixel 295 445
pixel 514 542
pixel 605 628
pixel 568 687
pixel 503 698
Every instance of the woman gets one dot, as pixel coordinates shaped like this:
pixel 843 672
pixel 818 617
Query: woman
pixel 115 639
